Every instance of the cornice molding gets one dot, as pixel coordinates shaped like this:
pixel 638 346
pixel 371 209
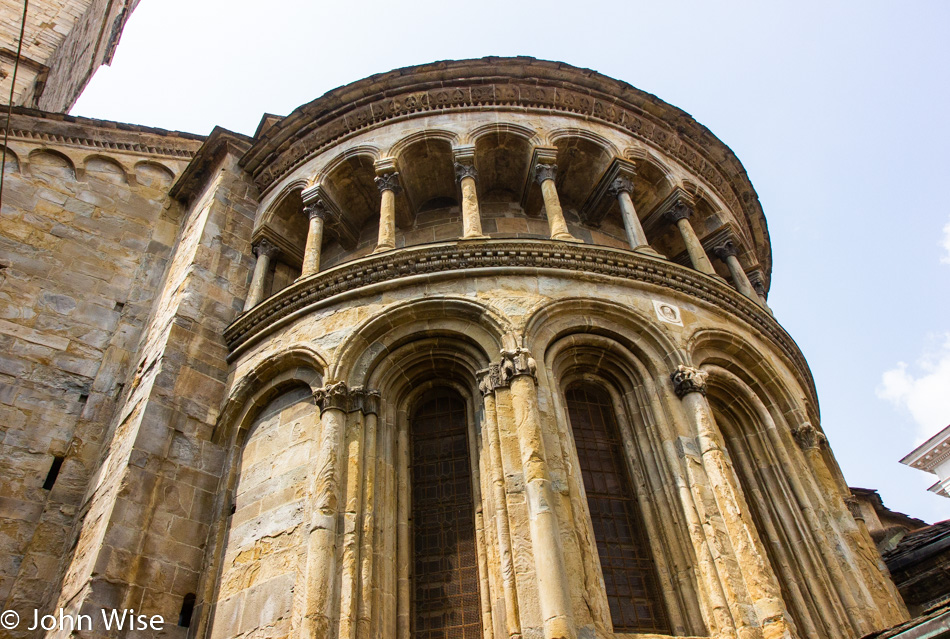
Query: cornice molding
pixel 525 257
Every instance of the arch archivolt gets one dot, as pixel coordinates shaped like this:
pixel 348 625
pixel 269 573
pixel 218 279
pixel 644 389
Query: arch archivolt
pixel 468 320
pixel 625 324
pixel 627 373
pixel 797 505
pixel 396 150
pixel 773 384
pixel 504 129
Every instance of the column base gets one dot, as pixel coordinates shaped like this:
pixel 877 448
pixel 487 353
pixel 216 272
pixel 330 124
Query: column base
pixel 474 237
pixel 566 237
pixel 383 249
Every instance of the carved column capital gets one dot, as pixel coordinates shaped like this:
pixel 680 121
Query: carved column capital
pixel 316 209
pixel 388 182
pixel 854 507
pixel 687 379
pixel 515 363
pixel 489 379
pixel 543 172
pixel 266 248
pixel 726 249
pixel 679 211
pixel 620 185
pixel 755 277
pixel 464 170
pixel 808 437
pixel 371 400
pixel 333 396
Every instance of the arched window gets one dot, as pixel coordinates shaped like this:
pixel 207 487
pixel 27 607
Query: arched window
pixel 445 599
pixel 625 558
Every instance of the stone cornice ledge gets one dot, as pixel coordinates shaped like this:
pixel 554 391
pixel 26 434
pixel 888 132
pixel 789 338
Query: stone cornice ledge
pixel 449 258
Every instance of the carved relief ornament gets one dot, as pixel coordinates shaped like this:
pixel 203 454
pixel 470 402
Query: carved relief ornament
pixel 620 185
pixel 544 172
pixel 808 437
pixel 316 209
pixel 517 362
pixel 336 396
pixel 388 182
pixel 687 379
pixel 464 170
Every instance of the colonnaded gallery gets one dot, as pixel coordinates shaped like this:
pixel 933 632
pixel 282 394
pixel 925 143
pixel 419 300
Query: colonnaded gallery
pixel 474 349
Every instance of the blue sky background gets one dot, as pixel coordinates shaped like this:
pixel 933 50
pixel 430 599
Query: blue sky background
pixel 838 110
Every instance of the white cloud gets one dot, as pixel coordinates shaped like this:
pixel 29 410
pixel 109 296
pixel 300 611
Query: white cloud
pixel 924 393
pixel 945 243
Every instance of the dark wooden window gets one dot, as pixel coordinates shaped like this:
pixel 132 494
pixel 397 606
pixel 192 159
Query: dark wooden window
pixel 625 557
pixel 445 567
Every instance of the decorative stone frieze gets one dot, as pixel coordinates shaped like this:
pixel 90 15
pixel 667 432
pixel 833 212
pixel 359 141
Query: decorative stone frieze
pixel 688 380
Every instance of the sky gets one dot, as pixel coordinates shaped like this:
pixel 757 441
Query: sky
pixel 838 111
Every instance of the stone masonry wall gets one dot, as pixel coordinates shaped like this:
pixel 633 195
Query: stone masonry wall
pixel 84 238
pixel 142 539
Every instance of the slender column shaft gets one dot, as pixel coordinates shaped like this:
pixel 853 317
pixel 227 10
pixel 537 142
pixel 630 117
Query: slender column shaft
pixel 557 225
pixel 367 559
pixel 388 185
pixel 265 251
pixel 727 253
pixel 758 578
pixel 697 255
pixel 471 217
pixel 631 223
pixel 311 253
pixel 403 601
pixel 325 494
pixel 680 214
pixel 740 279
pixel 500 499
pixel 553 580
pixel 621 188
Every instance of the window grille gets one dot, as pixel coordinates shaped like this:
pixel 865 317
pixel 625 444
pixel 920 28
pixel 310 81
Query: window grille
pixel 445 577
pixel 625 557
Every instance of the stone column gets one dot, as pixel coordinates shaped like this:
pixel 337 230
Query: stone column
pixel 325 497
pixel 519 371
pixel 490 379
pixel 680 214
pixel 466 174
pixel 759 287
pixel 622 188
pixel 369 576
pixel 727 252
pixel 757 575
pixel 388 185
pixel 265 251
pixel 544 174
pixel 316 212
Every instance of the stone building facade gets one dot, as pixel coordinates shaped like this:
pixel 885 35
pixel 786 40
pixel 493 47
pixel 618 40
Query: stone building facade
pixel 470 349
pixel 64 43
